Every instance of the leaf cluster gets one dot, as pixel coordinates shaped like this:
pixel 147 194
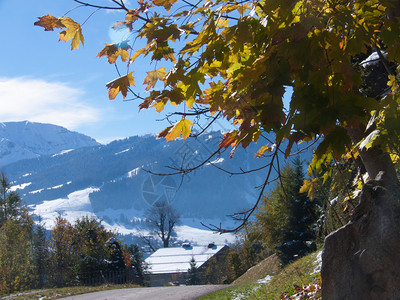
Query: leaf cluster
pixel 249 53
pixel 241 61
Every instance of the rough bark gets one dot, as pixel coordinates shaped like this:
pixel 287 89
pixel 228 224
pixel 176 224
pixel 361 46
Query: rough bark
pixel 374 159
pixel 362 259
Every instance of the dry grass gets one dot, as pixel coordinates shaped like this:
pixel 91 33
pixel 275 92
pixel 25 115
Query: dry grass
pixel 269 266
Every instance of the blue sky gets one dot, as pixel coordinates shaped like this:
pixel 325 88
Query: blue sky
pixel 42 80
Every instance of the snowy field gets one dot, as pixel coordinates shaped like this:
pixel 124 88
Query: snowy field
pixel 77 205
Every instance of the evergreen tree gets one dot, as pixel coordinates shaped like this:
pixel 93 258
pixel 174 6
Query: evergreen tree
pixel 286 216
pixel 116 261
pixel 193 276
pixel 91 238
pixel 11 207
pixel 134 259
pixel 16 225
pixel 40 255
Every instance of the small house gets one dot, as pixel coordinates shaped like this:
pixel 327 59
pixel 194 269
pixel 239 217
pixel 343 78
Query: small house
pixel 168 265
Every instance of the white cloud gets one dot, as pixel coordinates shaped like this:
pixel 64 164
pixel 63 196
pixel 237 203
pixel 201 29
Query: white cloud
pixel 37 100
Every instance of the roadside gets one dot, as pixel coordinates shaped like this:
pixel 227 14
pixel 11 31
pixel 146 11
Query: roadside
pixel 156 293
pixel 109 292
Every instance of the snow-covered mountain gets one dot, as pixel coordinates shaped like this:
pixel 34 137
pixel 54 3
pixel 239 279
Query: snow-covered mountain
pixel 24 140
pixel 111 182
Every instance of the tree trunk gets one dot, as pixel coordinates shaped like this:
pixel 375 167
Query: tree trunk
pixel 362 259
pixel 166 243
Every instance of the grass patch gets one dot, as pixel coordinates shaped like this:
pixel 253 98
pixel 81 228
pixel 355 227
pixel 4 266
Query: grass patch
pixel 58 293
pixel 300 273
pixel 241 291
pixel 269 266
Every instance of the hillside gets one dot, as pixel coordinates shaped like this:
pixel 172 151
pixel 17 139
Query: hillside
pixel 111 181
pixel 298 280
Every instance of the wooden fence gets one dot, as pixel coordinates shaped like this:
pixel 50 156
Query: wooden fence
pixel 114 277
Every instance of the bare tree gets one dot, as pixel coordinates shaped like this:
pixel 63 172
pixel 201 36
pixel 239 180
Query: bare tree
pixel 162 219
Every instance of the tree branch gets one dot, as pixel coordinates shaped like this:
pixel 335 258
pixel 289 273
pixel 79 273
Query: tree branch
pixel 245 215
pixel 121 6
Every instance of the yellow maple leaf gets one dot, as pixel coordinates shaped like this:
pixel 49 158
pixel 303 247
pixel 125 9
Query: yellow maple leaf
pixel 120 84
pixel 166 3
pixel 183 126
pixel 73 31
pixel 153 76
pixel 309 187
pixel 159 106
pixel 263 149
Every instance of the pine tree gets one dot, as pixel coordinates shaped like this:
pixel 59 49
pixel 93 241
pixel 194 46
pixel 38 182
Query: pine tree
pixel 16 225
pixel 11 207
pixel 193 276
pixel 117 262
pixel 286 216
pixel 40 255
pixel 134 260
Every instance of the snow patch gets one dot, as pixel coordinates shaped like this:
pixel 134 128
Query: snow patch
pixel 216 161
pixel 133 173
pixel 55 187
pixel 76 205
pixel 318 263
pixel 203 237
pixel 36 191
pixel 62 152
pixel 265 280
pixel 123 151
pixel 19 186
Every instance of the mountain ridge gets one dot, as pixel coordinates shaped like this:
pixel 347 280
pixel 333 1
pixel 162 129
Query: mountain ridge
pixel 27 140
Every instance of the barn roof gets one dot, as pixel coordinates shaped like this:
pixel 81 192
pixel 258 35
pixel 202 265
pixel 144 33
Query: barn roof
pixel 177 259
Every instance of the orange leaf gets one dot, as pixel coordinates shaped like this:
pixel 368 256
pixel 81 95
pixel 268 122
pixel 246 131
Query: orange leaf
pixel 153 76
pixel 49 22
pixel 229 139
pixel 120 84
pixel 73 31
pixel 183 126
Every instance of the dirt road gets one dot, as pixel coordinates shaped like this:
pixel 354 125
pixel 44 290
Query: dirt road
pixel 156 293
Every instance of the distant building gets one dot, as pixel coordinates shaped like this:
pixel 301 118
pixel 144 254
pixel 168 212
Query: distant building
pixel 171 264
